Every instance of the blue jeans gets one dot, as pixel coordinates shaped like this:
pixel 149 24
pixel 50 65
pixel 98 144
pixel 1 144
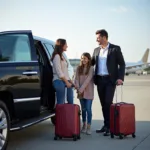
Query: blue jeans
pixel 86 107
pixel 61 88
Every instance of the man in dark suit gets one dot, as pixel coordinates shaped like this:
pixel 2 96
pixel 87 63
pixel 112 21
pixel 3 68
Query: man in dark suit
pixel 109 72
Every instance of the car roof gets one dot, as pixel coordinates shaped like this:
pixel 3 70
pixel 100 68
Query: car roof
pixel 43 40
pixel 34 37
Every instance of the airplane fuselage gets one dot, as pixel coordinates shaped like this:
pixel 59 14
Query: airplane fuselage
pixel 137 67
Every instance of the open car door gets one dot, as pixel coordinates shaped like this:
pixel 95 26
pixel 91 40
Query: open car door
pixel 20 72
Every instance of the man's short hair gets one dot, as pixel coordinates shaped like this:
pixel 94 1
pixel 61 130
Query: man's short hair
pixel 103 33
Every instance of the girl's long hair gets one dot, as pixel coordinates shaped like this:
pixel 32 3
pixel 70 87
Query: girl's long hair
pixel 81 66
pixel 59 48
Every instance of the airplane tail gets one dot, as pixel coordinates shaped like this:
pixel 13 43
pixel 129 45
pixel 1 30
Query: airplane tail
pixel 145 56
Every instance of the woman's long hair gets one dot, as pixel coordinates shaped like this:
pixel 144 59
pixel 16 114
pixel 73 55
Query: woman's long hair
pixel 81 66
pixel 59 48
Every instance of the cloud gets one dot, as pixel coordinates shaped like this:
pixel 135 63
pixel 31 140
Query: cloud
pixel 120 9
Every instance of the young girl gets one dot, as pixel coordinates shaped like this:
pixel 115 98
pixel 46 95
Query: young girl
pixel 85 89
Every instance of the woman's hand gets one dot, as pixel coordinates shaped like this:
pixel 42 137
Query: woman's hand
pixel 76 87
pixel 73 85
pixel 68 84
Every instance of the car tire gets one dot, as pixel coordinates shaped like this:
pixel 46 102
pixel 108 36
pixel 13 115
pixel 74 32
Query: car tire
pixel 4 125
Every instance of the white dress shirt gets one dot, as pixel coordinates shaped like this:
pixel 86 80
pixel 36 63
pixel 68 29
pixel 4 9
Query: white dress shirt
pixel 102 60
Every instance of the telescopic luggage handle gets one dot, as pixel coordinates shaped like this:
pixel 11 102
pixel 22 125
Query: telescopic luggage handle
pixel 121 94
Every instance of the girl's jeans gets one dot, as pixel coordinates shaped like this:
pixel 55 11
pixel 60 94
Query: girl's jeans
pixel 86 106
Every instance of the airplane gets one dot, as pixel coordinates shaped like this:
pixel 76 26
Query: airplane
pixel 139 66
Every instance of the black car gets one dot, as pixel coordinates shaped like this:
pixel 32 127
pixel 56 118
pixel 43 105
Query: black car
pixel 27 96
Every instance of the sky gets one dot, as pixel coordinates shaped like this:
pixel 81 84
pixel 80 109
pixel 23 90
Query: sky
pixel 127 23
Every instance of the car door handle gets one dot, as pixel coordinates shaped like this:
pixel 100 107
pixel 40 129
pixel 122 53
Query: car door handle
pixel 30 73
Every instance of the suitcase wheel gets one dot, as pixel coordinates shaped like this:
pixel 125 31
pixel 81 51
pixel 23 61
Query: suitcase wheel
pixel 60 137
pixel 120 136
pixel 79 137
pixel 55 138
pixel 112 135
pixel 75 137
pixel 133 135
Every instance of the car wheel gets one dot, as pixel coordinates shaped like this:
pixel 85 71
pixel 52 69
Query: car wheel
pixel 53 120
pixel 4 125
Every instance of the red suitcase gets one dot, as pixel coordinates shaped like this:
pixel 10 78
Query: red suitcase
pixel 67 121
pixel 122 120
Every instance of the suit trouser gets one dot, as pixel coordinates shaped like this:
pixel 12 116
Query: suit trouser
pixel 106 90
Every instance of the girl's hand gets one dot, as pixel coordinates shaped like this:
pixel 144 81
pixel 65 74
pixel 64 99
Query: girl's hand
pixel 78 92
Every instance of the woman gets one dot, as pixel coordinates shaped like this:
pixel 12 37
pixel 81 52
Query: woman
pixel 61 80
pixel 85 89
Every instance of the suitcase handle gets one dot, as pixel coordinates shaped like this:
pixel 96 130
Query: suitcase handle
pixel 121 94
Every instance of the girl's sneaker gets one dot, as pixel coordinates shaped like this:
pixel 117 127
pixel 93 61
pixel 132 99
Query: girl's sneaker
pixel 83 130
pixel 88 131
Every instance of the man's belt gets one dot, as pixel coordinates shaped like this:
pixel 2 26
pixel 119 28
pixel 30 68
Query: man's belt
pixel 103 76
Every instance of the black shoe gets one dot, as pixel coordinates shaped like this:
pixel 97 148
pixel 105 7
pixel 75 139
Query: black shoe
pixel 103 129
pixel 107 132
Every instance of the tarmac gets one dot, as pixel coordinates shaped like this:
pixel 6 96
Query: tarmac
pixel 136 89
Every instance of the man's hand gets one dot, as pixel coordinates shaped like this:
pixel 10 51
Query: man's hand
pixel 119 82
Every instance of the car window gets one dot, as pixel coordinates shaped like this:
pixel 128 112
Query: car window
pixel 50 49
pixel 14 47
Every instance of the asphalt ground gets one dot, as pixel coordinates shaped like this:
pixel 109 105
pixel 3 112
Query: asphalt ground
pixel 136 90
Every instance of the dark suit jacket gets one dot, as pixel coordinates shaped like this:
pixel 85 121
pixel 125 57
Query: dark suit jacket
pixel 115 62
